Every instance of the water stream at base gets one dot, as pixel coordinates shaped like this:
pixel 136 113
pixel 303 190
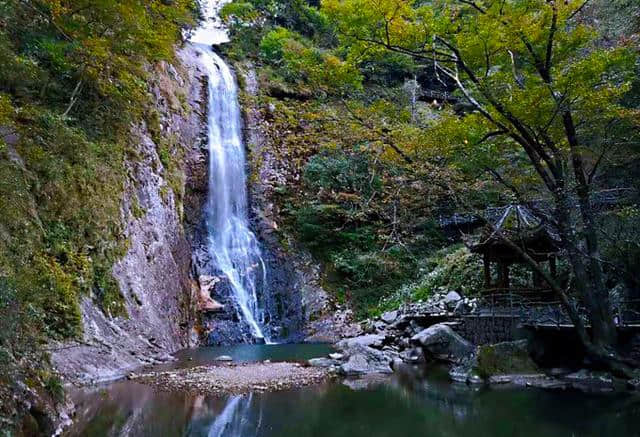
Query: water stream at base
pixel 234 248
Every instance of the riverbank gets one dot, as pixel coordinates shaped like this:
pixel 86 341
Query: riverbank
pixel 234 378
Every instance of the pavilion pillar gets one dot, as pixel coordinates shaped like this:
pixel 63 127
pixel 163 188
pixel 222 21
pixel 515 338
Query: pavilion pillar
pixel 537 279
pixel 504 275
pixel 487 271
pixel 552 266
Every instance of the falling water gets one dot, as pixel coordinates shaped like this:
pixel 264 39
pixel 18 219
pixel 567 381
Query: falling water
pixel 234 247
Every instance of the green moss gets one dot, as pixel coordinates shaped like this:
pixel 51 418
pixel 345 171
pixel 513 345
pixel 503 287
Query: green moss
pixel 59 297
pixel 62 173
pixel 171 155
pixel 137 210
pixel 54 387
pixel 504 358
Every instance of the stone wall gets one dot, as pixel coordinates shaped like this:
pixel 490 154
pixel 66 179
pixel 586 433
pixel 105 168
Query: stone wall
pixel 487 329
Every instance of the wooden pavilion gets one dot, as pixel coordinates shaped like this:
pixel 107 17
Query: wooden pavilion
pixel 532 236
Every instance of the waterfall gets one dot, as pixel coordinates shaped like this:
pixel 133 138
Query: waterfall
pixel 234 248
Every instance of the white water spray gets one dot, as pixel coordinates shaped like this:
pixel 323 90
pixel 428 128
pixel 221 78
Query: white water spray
pixel 234 247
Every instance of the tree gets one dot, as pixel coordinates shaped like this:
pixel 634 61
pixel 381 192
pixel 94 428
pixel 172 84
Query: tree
pixel 541 90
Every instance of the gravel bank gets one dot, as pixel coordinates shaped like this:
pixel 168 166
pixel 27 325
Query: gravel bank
pixel 234 378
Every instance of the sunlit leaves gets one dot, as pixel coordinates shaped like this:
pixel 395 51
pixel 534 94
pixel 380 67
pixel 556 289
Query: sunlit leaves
pixel 298 60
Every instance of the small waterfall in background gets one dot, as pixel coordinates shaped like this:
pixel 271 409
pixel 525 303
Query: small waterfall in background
pixel 234 248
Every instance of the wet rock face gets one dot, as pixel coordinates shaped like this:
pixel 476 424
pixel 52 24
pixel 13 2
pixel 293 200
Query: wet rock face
pixel 154 276
pixel 297 306
pixel 280 300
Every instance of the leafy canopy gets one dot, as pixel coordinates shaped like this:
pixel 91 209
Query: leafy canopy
pixel 520 64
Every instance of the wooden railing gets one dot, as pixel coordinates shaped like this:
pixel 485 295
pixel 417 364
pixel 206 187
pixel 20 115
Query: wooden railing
pixel 539 307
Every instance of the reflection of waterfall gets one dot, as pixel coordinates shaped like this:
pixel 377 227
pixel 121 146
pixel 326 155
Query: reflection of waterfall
pixel 234 248
pixel 234 420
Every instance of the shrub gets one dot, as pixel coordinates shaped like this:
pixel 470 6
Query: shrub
pixel 452 268
pixel 273 43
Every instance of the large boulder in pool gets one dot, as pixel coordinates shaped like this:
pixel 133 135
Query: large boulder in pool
pixel 507 358
pixel 441 342
pixel 365 360
pixel 362 355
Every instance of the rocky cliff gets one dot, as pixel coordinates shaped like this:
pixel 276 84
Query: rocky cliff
pixel 307 310
pixel 165 268
pixel 160 209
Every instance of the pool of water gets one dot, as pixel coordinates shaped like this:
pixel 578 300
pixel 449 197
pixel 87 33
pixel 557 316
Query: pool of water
pixel 247 353
pixel 395 407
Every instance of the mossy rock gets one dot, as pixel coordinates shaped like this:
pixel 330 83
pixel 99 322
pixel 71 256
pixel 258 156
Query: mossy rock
pixel 505 358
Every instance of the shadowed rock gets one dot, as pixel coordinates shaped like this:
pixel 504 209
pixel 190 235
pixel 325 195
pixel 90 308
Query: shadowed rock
pixel 441 342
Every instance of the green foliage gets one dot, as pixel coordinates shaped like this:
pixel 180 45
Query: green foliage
pixel 53 385
pixel 348 228
pixel 381 159
pixel 21 359
pixel 453 268
pixel 502 51
pixel 622 245
pixel 295 39
pixel 298 61
pixel 272 46
pixel 341 172
pixel 72 81
pixel 367 277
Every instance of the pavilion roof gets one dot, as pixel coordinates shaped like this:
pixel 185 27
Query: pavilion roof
pixel 522 226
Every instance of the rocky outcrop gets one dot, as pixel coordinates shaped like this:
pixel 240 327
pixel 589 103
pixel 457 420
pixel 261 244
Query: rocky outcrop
pixel 365 354
pixel 300 306
pixel 206 284
pixel 154 276
pixel 441 342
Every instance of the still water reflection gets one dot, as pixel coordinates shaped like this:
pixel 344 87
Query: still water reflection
pixel 433 408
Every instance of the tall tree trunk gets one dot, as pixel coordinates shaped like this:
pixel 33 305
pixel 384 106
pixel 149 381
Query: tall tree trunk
pixel 604 329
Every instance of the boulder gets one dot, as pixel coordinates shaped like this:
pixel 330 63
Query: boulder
pixel 363 355
pixel 365 360
pixel 460 308
pixel 464 371
pixel 412 356
pixel 534 379
pixel 322 362
pixel 379 327
pixel 369 340
pixel 507 358
pixel 451 299
pixel 441 342
pixel 389 317
pixel 590 377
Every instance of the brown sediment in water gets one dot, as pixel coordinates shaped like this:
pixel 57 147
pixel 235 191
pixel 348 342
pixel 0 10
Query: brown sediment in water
pixel 235 377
